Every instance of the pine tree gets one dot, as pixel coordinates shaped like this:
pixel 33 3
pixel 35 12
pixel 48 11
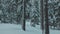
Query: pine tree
pixel 46 18
pixel 23 24
pixel 42 20
pixel 24 14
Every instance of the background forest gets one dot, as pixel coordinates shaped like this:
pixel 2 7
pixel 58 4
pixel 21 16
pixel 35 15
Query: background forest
pixel 14 11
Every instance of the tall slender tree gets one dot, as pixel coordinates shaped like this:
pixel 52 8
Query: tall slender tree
pixel 46 17
pixel 42 20
pixel 16 9
pixel 23 24
pixel 24 14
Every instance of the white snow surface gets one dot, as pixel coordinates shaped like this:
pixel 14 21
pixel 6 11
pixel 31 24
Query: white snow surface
pixel 17 29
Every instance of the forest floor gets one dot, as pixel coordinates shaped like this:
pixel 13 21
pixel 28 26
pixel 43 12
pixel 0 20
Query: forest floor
pixel 16 29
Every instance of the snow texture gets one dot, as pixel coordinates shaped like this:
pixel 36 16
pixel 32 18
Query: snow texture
pixel 16 29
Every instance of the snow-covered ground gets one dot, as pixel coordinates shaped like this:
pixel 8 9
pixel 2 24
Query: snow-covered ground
pixel 16 29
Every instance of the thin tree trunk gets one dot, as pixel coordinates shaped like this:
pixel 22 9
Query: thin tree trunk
pixel 46 18
pixel 23 24
pixel 42 20
pixel 16 10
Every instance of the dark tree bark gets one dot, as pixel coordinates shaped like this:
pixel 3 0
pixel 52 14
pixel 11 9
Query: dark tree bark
pixel 24 5
pixel 46 18
pixel 42 20
pixel 24 11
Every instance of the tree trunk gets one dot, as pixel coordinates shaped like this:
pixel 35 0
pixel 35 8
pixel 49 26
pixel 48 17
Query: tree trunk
pixel 23 24
pixel 16 10
pixel 46 18
pixel 42 20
